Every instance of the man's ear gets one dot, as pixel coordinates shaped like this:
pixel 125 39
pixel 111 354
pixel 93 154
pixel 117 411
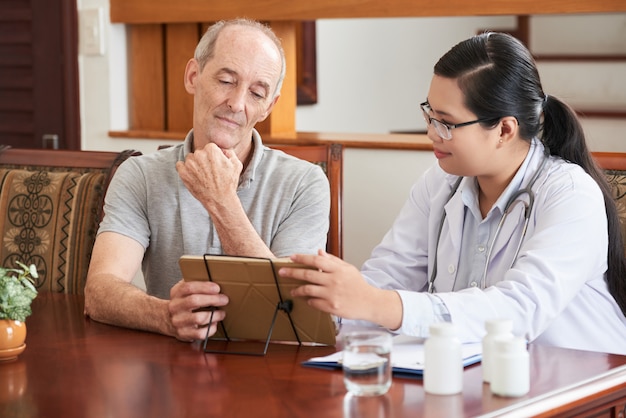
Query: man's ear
pixel 192 71
pixel 269 109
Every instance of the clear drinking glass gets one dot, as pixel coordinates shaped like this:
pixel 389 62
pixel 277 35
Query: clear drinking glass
pixel 367 362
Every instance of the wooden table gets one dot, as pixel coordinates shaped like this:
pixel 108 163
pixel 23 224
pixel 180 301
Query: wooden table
pixel 76 367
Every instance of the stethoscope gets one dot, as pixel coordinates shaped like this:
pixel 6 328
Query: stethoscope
pixel 508 208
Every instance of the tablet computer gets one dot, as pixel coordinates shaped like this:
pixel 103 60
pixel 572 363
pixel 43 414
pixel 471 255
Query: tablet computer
pixel 255 291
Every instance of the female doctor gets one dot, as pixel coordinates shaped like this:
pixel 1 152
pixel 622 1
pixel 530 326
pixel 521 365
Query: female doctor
pixel 515 221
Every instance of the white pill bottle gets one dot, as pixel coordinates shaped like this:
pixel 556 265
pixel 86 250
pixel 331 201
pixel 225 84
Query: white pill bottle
pixel 443 360
pixel 510 375
pixel 495 328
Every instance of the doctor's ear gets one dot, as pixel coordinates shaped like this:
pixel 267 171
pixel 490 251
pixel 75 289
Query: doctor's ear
pixel 508 128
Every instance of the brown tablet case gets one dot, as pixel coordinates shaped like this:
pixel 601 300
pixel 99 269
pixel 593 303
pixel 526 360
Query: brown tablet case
pixel 260 306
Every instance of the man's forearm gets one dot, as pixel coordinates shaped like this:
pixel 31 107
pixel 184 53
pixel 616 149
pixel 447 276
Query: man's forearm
pixel 122 304
pixel 238 236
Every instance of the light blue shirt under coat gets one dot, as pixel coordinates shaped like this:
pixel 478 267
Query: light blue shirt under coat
pixel 555 292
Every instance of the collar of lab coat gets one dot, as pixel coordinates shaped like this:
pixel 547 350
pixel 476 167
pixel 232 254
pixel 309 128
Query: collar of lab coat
pixel 467 194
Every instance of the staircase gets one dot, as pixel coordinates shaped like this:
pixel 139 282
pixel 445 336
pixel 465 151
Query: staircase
pixel 582 60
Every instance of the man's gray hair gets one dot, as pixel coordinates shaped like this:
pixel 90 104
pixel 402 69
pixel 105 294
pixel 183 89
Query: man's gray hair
pixel 206 46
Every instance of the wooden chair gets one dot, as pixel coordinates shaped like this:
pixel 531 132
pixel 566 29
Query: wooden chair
pixel 50 209
pixel 614 166
pixel 330 158
pixel 615 161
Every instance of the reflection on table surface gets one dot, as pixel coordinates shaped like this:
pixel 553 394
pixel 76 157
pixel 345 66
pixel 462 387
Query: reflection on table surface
pixel 76 367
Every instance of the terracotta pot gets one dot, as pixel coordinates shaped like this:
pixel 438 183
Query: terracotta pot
pixel 12 337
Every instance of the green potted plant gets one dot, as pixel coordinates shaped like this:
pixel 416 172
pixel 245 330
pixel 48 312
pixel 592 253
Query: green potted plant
pixel 17 292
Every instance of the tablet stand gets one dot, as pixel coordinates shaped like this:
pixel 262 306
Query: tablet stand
pixel 282 305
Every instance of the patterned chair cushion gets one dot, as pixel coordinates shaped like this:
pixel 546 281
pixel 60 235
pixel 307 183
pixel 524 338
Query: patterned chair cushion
pixel 50 218
pixel 617 180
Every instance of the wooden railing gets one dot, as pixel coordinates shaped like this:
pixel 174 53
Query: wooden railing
pixel 152 11
pixel 145 19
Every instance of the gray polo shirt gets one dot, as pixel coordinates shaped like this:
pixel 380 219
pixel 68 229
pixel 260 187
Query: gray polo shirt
pixel 286 199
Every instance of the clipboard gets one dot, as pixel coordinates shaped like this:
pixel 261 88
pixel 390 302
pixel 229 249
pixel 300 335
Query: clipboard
pixel 260 307
pixel 407 357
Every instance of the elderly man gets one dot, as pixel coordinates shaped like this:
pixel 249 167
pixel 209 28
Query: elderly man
pixel 219 192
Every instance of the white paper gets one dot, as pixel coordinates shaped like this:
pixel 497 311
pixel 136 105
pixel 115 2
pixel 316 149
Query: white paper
pixel 407 355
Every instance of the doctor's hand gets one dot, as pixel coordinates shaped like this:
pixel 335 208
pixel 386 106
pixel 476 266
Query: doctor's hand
pixel 211 174
pixel 188 313
pixel 339 288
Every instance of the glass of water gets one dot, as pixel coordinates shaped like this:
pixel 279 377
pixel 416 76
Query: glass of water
pixel 367 362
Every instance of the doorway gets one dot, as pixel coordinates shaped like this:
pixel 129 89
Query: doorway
pixel 39 96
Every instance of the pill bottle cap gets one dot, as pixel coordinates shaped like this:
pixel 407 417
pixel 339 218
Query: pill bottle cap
pixel 443 329
pixel 510 345
pixel 499 325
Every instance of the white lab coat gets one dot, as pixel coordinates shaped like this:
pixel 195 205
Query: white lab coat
pixel 555 292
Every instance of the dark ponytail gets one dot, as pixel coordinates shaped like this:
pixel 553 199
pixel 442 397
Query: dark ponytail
pixel 564 136
pixel 498 76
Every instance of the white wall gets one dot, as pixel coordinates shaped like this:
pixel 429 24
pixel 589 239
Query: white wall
pixel 372 75
pixel 376 185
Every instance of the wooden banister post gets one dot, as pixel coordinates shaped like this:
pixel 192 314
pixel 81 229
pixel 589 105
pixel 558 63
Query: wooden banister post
pixel 282 120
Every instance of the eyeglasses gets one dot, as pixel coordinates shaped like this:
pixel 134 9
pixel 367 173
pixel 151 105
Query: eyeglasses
pixel 444 129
